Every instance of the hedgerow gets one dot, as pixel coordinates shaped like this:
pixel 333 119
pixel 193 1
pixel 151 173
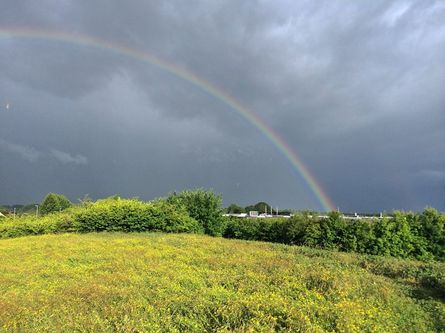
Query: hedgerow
pixel 134 216
pixel 113 214
pixel 404 235
pixel 30 225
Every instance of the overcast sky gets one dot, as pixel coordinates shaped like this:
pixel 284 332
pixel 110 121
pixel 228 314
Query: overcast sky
pixel 356 88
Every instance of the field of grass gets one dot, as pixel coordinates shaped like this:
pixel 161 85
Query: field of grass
pixel 149 282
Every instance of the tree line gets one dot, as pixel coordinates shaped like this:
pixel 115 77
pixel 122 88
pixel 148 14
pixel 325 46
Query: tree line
pixel 404 234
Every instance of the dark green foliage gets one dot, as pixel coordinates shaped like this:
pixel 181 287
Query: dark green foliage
pixel 54 202
pixel 295 229
pixel 241 229
pixel 279 230
pixel 116 214
pixel 393 237
pixel 328 233
pixel 405 235
pixel 204 206
pixel 260 207
pixel 235 209
pixel 431 226
pixel 358 236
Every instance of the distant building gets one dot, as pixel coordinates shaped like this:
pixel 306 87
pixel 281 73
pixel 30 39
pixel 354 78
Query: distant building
pixel 236 215
pixel 253 213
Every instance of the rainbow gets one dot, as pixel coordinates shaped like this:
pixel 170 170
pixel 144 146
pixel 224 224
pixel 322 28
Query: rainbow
pixel 208 87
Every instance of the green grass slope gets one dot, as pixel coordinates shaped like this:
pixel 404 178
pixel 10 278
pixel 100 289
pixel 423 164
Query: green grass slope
pixel 114 282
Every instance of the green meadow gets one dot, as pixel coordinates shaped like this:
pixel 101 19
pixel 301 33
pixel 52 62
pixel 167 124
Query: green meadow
pixel 158 282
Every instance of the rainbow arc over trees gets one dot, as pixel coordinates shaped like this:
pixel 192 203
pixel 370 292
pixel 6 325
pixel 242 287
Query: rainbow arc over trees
pixel 182 73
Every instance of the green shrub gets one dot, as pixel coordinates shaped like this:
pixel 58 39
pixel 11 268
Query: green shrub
pixel 358 236
pixel 204 206
pixel 31 225
pixel 294 229
pixel 328 233
pixel 270 230
pixel 241 229
pixel 54 202
pixel 134 215
pixel 105 215
pixel 405 235
pixel 235 209
pixel 433 231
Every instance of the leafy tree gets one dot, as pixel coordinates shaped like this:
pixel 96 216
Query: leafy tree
pixel 359 236
pixel 433 230
pixel 54 202
pixel 260 207
pixel 235 209
pixel 295 229
pixel 204 206
pixel 285 211
pixel 328 233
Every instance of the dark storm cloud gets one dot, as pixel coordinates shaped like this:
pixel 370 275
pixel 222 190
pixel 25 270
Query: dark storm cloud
pixel 356 88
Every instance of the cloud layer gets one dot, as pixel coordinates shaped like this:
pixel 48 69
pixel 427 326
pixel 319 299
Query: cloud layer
pixel 31 154
pixel 355 89
pixel 26 153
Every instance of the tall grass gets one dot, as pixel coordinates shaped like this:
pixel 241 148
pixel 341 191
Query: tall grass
pixel 114 282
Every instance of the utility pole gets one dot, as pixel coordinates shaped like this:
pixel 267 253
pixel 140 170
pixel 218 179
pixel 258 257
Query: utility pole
pixel 37 210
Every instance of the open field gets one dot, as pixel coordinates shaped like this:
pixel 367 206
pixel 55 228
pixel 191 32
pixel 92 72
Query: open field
pixel 116 282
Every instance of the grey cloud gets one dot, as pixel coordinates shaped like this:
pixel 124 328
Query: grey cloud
pixel 27 153
pixel 67 158
pixel 355 88
pixel 31 154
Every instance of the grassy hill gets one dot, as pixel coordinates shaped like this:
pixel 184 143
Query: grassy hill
pixel 115 282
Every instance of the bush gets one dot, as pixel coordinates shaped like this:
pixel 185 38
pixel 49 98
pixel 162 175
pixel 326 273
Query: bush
pixel 204 206
pixel 235 209
pixel 242 229
pixel 432 230
pixel 359 236
pixel 105 215
pixel 328 233
pixel 405 235
pixel 295 229
pixel 134 215
pixel 31 225
pixel 269 230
